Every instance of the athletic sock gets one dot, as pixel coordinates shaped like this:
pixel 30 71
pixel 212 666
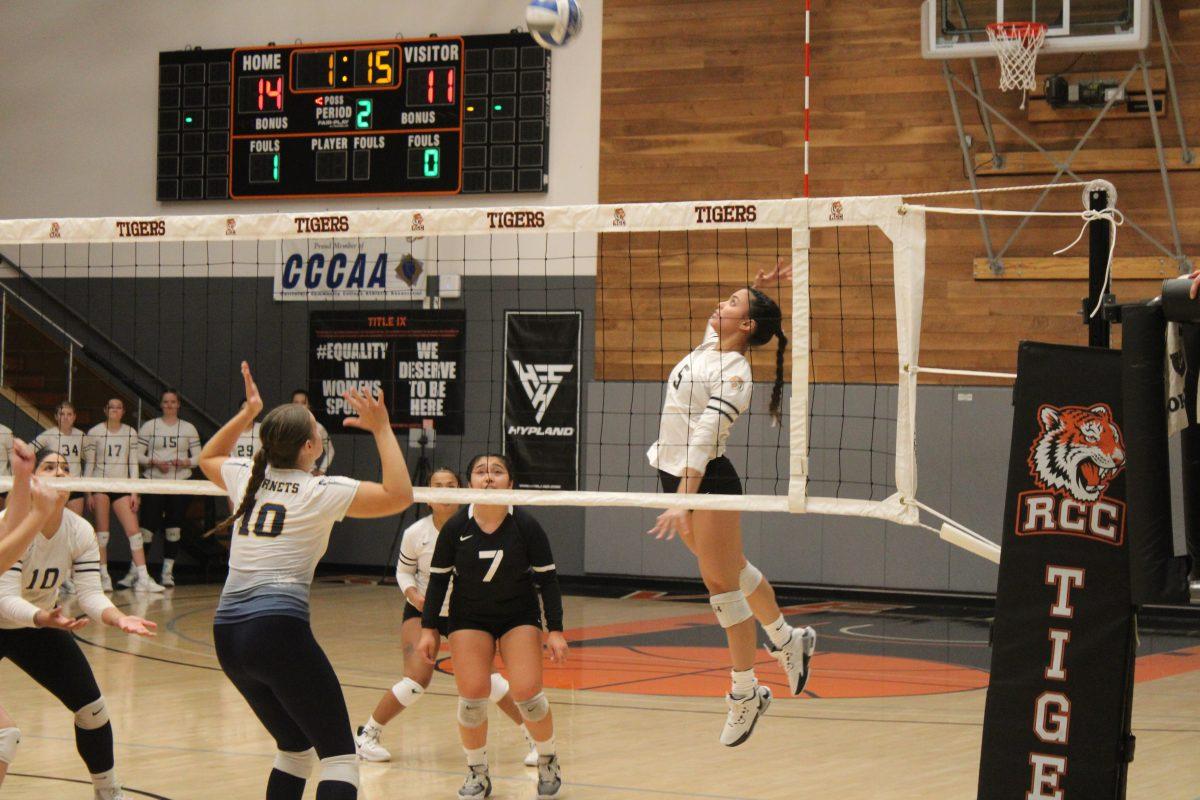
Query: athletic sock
pixel 371 725
pixel 142 572
pixel 168 564
pixel 283 786
pixel 476 758
pixel 744 684
pixel 336 790
pixel 105 780
pixel 779 632
pixel 546 748
pixel 96 748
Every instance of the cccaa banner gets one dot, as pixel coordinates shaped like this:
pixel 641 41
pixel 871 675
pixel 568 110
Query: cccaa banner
pixel 314 270
pixel 541 397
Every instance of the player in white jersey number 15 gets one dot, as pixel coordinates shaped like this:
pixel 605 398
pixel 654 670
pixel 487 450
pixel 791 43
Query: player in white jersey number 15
pixel 280 529
pixel 708 390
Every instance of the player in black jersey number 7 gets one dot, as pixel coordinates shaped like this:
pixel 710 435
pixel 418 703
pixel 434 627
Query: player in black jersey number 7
pixel 707 391
pixel 281 527
pixel 501 562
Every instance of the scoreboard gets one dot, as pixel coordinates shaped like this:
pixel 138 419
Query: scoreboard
pixel 441 115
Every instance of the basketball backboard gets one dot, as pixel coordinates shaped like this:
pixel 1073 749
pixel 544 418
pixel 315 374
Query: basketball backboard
pixel 957 28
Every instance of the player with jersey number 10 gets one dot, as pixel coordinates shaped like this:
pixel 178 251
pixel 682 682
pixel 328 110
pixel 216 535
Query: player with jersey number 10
pixel 280 528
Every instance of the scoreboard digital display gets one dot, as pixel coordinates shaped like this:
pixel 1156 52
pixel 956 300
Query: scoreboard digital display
pixel 442 115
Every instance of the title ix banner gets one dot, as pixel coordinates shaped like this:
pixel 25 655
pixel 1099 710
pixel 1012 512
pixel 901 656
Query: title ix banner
pixel 418 358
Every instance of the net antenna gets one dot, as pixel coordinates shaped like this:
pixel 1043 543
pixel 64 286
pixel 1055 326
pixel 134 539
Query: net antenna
pixel 1017 45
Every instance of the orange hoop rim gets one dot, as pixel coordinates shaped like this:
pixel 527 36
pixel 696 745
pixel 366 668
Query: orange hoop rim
pixel 1017 30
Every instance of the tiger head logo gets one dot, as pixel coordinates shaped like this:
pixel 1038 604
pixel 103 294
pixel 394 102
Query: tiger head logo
pixel 1079 451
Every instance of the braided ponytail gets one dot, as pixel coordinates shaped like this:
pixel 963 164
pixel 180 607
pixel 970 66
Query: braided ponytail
pixel 257 472
pixel 777 389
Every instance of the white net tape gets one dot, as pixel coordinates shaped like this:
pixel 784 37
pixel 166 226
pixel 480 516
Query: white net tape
pixel 1017 45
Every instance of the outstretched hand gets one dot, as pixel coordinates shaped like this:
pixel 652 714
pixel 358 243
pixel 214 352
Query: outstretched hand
pixel 781 274
pixel 254 403
pixel 136 625
pixel 371 410
pixel 55 618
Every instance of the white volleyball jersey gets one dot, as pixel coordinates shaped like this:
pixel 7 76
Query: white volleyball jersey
pixel 160 441
pixel 248 443
pixel 281 539
pixel 6 445
pixel 32 583
pixel 68 445
pixel 416 554
pixel 706 393
pixel 111 454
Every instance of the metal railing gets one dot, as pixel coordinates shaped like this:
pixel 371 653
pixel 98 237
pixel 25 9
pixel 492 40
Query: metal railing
pixel 72 344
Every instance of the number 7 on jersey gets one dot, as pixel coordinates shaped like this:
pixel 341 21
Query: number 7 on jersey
pixel 497 556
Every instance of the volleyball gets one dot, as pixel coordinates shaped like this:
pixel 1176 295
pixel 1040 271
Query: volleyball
pixel 553 22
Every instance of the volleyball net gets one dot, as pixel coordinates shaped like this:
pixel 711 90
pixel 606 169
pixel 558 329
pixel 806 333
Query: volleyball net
pixel 546 333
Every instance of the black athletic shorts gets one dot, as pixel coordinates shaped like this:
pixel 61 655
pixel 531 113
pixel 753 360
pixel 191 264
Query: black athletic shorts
pixel 76 496
pixel 115 496
pixel 719 478
pixel 410 612
pixel 496 626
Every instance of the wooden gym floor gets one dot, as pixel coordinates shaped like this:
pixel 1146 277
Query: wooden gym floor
pixel 894 708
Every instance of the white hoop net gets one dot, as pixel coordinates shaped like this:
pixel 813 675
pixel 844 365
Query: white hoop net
pixel 1017 45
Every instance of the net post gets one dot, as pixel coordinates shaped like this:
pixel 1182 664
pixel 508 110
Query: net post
pixel 1099 242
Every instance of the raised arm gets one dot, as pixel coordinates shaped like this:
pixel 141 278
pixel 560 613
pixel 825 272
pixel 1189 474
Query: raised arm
pixel 394 492
pixel 23 517
pixel 217 451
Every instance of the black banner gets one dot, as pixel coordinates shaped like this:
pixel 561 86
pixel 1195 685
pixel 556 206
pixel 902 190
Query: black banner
pixel 541 397
pixel 1055 723
pixel 417 357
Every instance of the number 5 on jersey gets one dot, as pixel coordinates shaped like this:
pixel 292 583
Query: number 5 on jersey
pixel 496 556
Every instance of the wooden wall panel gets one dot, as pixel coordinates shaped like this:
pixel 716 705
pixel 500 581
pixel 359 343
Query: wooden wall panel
pixel 703 100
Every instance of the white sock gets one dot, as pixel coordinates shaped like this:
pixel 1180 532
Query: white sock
pixel 168 564
pixel 142 572
pixel 105 780
pixel 372 725
pixel 744 684
pixel 476 758
pixel 779 632
pixel 546 748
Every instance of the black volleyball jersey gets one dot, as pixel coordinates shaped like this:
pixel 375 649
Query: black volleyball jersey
pixel 496 575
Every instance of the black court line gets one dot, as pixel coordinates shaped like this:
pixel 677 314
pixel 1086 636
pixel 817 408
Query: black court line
pixel 126 789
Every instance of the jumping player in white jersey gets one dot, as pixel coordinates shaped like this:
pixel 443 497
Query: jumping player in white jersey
pixel 412 576
pixel 111 451
pixel 66 440
pixel 706 392
pixel 36 635
pixel 170 447
pixel 30 504
pixel 326 460
pixel 280 530
pixel 504 577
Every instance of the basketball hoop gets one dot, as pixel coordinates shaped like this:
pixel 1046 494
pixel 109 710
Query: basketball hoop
pixel 1017 45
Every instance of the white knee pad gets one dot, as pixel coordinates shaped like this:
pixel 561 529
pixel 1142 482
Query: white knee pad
pixel 472 713
pixel 172 534
pixel 730 608
pixel 408 692
pixel 9 739
pixel 296 764
pixel 92 716
pixel 340 768
pixel 535 708
pixel 102 538
pixel 749 579
pixel 499 688
pixel 136 542
pixel 147 535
